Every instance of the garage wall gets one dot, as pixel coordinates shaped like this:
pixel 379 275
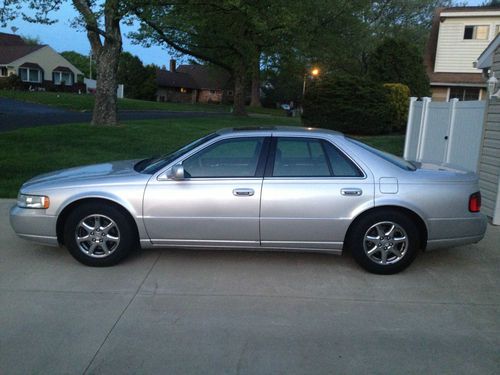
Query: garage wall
pixel 489 163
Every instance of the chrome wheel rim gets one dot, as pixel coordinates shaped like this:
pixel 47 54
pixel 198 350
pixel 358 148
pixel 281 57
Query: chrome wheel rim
pixel 385 243
pixel 97 236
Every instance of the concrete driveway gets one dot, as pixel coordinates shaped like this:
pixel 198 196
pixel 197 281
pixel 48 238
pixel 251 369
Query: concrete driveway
pixel 15 114
pixel 233 312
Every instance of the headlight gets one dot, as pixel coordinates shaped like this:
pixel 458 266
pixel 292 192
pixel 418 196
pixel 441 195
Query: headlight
pixel 32 201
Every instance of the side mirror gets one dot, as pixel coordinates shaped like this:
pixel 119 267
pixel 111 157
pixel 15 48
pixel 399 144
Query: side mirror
pixel 176 172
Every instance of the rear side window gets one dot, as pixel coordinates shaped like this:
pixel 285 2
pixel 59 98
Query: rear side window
pixel 341 165
pixel 308 157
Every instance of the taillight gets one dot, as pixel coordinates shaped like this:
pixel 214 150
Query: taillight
pixel 475 202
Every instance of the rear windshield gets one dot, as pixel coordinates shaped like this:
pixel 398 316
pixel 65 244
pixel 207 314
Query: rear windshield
pixel 393 159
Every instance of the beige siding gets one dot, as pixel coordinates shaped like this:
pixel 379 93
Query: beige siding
pixel 48 59
pixel 439 94
pixel 489 164
pixel 454 54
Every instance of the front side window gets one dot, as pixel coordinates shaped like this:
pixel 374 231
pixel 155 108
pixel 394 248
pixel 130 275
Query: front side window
pixel 228 158
pixel 3 71
pixel 479 32
pixel 308 157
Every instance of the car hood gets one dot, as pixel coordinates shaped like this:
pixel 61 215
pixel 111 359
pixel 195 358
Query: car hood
pixel 108 171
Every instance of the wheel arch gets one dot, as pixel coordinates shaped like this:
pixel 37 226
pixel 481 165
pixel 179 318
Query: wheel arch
pixel 422 227
pixel 63 215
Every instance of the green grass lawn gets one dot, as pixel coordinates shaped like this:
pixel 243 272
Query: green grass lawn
pixel 25 153
pixel 85 102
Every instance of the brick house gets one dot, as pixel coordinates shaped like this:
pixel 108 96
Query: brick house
pixel 38 66
pixel 192 84
pixel 458 36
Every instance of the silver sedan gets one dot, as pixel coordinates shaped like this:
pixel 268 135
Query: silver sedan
pixel 273 188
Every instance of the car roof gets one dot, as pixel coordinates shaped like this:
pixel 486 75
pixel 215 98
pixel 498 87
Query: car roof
pixel 278 130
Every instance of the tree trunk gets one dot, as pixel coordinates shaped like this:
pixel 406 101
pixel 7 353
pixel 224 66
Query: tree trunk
pixel 105 107
pixel 106 46
pixel 239 92
pixel 255 99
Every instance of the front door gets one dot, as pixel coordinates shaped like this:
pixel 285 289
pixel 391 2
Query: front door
pixel 218 201
pixel 310 194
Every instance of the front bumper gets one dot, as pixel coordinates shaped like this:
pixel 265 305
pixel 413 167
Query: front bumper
pixel 34 225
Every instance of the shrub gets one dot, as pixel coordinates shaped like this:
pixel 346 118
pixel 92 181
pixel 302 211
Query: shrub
pixel 348 104
pixel 12 82
pixel 398 96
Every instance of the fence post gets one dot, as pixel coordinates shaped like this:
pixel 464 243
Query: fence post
pixel 409 126
pixel 423 128
pixel 451 128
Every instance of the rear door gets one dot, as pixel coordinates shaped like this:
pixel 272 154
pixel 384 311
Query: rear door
pixel 311 192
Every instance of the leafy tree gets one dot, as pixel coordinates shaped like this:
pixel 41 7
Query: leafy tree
pixel 31 40
pixel 397 61
pixel 82 62
pixel 139 81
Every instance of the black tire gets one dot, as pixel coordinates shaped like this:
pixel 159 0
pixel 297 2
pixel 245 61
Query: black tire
pixel 369 225
pixel 93 213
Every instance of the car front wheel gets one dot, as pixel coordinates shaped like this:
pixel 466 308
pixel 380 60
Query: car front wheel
pixel 384 242
pixel 98 235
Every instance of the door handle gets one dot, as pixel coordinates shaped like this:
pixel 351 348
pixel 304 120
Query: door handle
pixel 243 192
pixel 351 191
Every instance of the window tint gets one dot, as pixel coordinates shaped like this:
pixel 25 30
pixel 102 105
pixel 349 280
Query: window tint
pixel 228 158
pixel 341 165
pixel 300 157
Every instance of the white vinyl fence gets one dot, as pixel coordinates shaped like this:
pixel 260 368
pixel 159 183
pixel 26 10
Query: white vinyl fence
pixel 445 132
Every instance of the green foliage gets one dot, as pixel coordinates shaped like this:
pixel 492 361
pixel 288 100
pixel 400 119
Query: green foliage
pixel 398 96
pixel 348 104
pixel 396 60
pixel 82 62
pixel 31 40
pixel 12 82
pixel 139 81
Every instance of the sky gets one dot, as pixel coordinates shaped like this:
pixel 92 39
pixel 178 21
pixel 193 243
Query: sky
pixel 62 37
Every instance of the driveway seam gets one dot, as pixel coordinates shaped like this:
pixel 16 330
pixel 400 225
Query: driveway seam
pixel 121 315
pixel 362 300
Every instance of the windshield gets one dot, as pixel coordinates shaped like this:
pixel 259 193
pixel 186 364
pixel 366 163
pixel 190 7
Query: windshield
pixel 396 160
pixel 153 165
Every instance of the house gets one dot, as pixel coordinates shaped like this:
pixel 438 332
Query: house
pixel 38 66
pixel 192 84
pixel 458 36
pixel 489 161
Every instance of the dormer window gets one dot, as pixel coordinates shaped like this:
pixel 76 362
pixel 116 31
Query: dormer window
pixel 478 32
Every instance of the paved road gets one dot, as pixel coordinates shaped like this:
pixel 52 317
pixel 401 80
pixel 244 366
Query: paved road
pixel 233 312
pixel 16 114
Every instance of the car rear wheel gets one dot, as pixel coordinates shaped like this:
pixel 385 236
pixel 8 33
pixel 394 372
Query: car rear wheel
pixel 98 235
pixel 384 242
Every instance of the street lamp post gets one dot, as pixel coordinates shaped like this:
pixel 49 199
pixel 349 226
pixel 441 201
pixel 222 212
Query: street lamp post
pixel 314 72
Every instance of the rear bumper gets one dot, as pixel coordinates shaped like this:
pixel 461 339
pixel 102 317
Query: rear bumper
pixel 450 232
pixel 34 225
